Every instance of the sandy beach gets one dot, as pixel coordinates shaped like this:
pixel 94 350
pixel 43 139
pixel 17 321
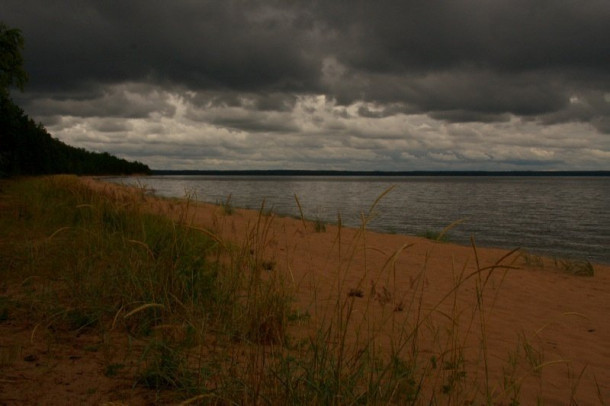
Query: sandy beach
pixel 563 317
pixel 508 320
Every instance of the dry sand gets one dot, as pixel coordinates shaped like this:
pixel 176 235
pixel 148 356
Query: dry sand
pixel 565 318
pixel 393 280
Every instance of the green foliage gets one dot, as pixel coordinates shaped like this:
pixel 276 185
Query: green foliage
pixel 164 367
pixel 113 369
pixel 125 258
pixel 227 206
pixel 530 259
pixel 435 236
pixel 12 71
pixel 103 263
pixel 575 266
pixel 442 235
pixel 319 225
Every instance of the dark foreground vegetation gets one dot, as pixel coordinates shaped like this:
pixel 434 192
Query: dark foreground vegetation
pixel 75 262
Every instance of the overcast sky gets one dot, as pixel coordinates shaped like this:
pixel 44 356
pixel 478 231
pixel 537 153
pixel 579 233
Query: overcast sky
pixel 355 85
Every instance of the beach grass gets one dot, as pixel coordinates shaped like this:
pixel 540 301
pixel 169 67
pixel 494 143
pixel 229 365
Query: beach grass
pixel 573 266
pixel 218 322
pixel 442 235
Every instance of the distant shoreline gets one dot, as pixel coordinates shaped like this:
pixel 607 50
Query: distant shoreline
pixel 283 172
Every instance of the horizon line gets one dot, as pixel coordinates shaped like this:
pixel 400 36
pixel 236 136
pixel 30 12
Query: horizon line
pixel 330 172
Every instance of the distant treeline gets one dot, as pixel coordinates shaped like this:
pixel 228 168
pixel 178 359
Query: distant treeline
pixel 281 172
pixel 26 148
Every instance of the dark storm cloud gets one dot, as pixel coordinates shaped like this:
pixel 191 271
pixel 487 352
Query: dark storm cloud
pixel 513 35
pixel 125 101
pixel 459 60
pixel 197 44
pixel 592 106
pixel 462 60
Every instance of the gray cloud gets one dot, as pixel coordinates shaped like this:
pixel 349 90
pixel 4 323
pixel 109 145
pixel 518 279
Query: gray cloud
pixel 500 35
pixel 111 126
pixel 230 44
pixel 123 100
pixel 350 84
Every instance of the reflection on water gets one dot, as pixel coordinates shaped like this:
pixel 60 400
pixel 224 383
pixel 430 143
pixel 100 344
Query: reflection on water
pixel 562 216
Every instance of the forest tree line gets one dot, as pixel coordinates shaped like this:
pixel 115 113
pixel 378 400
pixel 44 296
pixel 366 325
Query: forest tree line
pixel 26 148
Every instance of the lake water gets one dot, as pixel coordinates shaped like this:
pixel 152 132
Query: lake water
pixel 556 216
